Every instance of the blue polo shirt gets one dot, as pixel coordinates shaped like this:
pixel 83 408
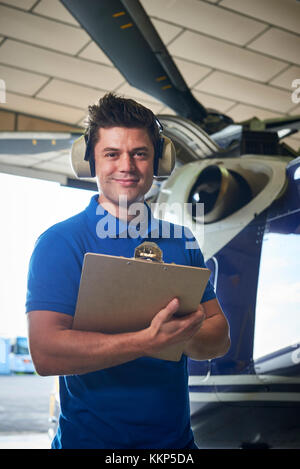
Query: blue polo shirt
pixel 143 403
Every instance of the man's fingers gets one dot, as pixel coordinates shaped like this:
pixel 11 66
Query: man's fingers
pixel 192 320
pixel 170 309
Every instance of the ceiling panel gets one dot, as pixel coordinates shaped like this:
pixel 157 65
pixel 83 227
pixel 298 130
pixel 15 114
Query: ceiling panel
pixel 285 78
pixel 241 112
pixel 213 102
pixel 216 54
pixel 59 65
pixel 205 18
pixel 94 53
pixel 130 92
pixel 54 9
pixel 24 4
pixel 166 30
pixel 246 91
pixel 278 43
pixel 21 81
pixel 191 72
pixel 296 111
pixel 69 93
pixel 37 107
pixel 35 29
pixel 284 13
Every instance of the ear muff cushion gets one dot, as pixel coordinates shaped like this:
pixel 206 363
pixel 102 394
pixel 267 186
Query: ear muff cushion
pixel 164 158
pixel 82 161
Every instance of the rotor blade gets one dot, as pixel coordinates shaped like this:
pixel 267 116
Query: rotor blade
pixel 122 29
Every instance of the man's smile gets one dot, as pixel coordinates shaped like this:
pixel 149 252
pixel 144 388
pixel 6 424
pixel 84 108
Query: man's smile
pixel 127 182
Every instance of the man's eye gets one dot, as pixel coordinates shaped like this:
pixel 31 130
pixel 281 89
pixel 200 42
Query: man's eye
pixel 141 154
pixel 111 155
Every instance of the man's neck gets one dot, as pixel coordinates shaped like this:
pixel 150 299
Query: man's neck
pixel 120 210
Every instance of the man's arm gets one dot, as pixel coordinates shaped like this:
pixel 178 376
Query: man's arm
pixel 57 349
pixel 212 340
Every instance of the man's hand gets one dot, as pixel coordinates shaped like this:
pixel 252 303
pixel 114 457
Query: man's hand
pixel 213 339
pixel 167 328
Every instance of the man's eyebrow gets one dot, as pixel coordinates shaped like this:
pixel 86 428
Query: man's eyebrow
pixel 144 148
pixel 110 149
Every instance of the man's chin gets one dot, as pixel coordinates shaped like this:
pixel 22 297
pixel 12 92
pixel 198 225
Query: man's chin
pixel 123 199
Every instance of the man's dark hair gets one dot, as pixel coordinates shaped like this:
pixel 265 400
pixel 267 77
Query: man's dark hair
pixel 115 111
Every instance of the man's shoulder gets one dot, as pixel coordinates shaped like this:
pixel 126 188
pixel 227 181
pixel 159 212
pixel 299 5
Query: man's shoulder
pixel 67 229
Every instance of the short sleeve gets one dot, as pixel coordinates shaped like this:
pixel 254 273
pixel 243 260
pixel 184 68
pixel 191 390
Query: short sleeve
pixel 197 260
pixel 53 275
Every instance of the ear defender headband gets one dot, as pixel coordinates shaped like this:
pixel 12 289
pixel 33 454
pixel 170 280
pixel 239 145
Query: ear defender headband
pixel 83 161
pixel 165 154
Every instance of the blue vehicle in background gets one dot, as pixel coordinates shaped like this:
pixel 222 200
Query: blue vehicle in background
pixel 4 356
pixel 20 359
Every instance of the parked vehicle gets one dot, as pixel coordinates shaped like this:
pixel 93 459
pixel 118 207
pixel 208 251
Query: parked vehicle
pixel 20 359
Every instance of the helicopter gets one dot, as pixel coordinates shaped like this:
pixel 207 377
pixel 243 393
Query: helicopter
pixel 249 184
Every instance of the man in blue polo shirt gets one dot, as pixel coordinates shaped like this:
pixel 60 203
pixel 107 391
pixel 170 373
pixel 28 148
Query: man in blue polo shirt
pixel 113 393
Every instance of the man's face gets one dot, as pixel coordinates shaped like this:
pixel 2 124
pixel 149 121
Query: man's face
pixel 124 164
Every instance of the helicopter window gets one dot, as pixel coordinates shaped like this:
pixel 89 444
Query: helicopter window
pixel 277 322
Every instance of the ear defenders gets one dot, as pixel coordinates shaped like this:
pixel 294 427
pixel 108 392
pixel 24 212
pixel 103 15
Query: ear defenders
pixel 83 162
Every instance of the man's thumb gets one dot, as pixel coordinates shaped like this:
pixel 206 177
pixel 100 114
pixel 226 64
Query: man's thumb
pixel 172 307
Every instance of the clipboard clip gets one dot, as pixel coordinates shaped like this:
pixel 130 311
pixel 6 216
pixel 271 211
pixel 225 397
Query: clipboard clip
pixel 148 251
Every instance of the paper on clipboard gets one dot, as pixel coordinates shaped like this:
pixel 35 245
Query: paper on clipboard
pixel 120 294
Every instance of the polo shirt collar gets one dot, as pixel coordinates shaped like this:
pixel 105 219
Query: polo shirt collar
pixel 104 224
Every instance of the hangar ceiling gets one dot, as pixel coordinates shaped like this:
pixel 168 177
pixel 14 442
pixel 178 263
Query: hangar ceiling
pixel 239 57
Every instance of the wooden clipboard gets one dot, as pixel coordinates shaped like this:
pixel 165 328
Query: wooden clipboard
pixel 120 294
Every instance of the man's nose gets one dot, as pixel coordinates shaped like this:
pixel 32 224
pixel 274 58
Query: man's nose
pixel 126 163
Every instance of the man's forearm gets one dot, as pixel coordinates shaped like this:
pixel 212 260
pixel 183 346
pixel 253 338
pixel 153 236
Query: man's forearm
pixel 78 352
pixel 65 351
pixel 211 341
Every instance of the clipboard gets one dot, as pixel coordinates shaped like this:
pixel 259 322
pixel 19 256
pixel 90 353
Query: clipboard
pixel 120 294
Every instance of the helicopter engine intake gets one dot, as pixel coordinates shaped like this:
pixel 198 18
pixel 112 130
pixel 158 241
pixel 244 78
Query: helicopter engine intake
pixel 221 190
